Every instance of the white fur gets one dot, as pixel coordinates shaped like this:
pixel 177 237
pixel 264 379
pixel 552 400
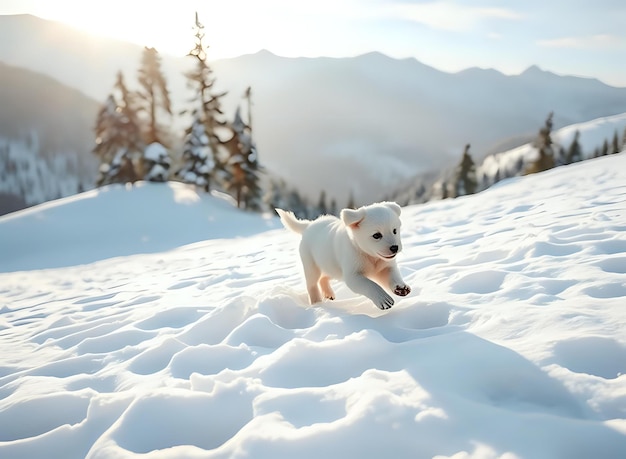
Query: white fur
pixel 345 248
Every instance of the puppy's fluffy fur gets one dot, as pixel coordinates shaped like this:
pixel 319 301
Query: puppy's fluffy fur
pixel 359 248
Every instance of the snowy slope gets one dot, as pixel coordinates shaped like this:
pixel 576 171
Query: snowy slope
pixel 512 344
pixel 119 220
pixel 592 135
pixel 513 162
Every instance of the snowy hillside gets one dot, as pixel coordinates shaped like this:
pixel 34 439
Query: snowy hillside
pixel 196 341
pixel 592 135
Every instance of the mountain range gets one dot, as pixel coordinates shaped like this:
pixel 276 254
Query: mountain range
pixel 353 125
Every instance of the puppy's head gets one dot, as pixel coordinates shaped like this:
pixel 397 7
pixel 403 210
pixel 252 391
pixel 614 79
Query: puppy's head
pixel 375 229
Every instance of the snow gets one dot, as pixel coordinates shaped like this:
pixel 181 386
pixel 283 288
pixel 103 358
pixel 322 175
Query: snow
pixel 592 135
pixel 156 322
pixel 117 221
pixel 156 152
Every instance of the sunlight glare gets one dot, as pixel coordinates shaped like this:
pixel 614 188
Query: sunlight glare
pixel 232 28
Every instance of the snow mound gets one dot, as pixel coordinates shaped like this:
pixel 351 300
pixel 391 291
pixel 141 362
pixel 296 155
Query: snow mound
pixel 119 220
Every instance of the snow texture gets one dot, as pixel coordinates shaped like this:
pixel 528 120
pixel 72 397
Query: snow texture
pixel 153 322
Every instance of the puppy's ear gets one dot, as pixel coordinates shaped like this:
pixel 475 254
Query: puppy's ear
pixel 352 218
pixel 393 206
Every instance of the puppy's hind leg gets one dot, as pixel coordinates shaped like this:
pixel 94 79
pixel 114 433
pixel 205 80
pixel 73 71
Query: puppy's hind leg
pixel 312 275
pixel 327 290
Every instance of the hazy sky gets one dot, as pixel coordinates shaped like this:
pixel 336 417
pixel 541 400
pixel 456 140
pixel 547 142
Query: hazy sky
pixel 572 37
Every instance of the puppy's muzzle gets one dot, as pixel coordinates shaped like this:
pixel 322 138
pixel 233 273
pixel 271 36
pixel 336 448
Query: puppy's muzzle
pixel 393 249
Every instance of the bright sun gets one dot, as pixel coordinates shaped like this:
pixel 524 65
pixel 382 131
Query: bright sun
pixel 169 30
pixel 168 26
pixel 232 27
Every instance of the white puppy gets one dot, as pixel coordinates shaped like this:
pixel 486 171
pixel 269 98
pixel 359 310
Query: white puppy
pixel 359 248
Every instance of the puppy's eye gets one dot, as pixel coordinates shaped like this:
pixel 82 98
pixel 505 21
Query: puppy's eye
pixel 395 231
pixel 377 235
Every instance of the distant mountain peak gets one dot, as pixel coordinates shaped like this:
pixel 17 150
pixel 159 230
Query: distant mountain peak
pixel 480 71
pixel 265 53
pixel 536 71
pixel 374 55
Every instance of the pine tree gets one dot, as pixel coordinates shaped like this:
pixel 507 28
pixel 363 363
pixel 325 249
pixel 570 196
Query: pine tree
pixel 297 204
pixel 153 98
pixel 466 181
pixel 351 203
pixel 615 147
pixel 332 210
pixel 543 143
pixel 574 152
pixel 496 177
pixel 106 147
pixel 322 209
pixel 198 158
pixel 156 162
pixel 276 195
pixel 242 167
pixel 209 111
pixel 561 158
pixel 444 191
pixel 605 148
pixel 118 138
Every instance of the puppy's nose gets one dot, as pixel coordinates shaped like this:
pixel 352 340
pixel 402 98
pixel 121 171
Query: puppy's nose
pixel 394 249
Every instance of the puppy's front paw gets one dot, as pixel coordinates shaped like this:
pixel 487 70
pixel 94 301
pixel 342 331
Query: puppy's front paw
pixel 384 302
pixel 402 290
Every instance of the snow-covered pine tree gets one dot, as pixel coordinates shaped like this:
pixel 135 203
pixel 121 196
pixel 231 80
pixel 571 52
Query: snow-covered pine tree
pixel 466 181
pixel 198 158
pixel 543 143
pixel 242 167
pixel 119 144
pixel 157 162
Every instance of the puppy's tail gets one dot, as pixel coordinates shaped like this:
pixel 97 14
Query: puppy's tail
pixel 291 222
